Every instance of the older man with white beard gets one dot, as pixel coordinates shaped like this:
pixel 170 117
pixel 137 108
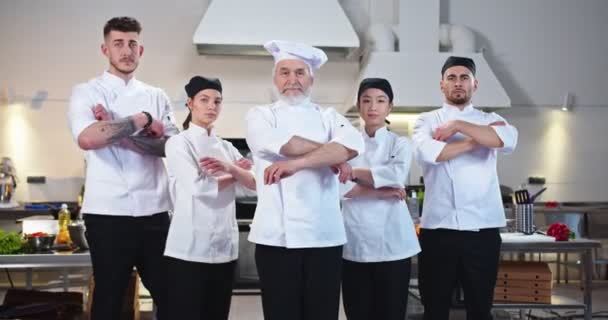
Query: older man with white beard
pixel 298 148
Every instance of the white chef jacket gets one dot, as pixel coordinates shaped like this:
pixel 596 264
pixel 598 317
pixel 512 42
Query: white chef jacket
pixel 462 193
pixel 119 181
pixel 380 229
pixel 303 210
pixel 203 227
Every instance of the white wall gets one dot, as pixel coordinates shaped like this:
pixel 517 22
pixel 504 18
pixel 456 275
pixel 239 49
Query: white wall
pixel 568 148
pixel 539 49
pixel 49 46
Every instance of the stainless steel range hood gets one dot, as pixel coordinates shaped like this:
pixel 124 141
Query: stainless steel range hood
pixel 236 27
pixel 415 78
pixel 415 70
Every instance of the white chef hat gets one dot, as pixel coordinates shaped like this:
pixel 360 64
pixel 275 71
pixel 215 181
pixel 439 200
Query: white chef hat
pixel 283 50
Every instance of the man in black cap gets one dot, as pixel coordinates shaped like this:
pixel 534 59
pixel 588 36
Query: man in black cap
pixel 457 146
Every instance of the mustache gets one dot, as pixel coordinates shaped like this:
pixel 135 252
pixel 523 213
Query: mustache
pixel 299 88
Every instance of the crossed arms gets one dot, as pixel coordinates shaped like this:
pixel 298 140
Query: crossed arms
pixel 107 131
pixel 432 146
pixel 303 154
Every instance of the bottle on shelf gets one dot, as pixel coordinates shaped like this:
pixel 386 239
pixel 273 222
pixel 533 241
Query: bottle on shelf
pixel 63 237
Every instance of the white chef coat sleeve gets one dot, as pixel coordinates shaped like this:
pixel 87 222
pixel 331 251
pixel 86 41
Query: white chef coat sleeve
pixel 394 172
pixel 343 132
pixel 182 164
pixel 166 116
pixel 264 137
pixel 426 149
pixel 240 190
pixel 507 133
pixel 80 111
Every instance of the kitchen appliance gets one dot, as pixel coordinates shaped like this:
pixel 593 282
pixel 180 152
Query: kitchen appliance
pixel 246 280
pixel 235 27
pixel 8 183
pixel 420 36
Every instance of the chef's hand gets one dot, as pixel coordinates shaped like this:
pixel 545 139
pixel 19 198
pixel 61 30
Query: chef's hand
pixel 279 170
pixel 445 131
pixel 392 193
pixel 155 130
pixel 100 113
pixel 212 165
pixel 244 163
pixel 344 172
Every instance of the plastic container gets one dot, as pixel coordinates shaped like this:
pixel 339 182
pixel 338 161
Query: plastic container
pixel 64 219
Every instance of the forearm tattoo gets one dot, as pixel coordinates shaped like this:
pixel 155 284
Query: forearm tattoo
pixel 113 131
pixel 151 146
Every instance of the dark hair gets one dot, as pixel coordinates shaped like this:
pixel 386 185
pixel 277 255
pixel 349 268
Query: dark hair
pixel 122 24
pixel 186 123
pixel 196 85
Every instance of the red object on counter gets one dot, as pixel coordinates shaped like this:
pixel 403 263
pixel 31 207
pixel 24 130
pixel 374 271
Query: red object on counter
pixel 551 204
pixel 37 234
pixel 559 231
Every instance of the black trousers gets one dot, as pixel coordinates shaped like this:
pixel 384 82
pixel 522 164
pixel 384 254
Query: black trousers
pixel 451 257
pixel 117 244
pixel 299 284
pixel 200 290
pixel 376 290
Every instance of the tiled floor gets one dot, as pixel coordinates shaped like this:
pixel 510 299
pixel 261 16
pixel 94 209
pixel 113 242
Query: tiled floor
pixel 249 307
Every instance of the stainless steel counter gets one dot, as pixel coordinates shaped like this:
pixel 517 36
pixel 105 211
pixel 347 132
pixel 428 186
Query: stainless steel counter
pixel 29 262
pixel 582 246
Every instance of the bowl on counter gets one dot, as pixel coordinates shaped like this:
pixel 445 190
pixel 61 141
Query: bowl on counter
pixel 41 243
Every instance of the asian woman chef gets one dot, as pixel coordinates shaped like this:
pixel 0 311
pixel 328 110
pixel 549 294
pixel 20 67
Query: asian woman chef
pixel 202 245
pixel 380 232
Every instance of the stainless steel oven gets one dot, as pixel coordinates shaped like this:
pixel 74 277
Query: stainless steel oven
pixel 246 274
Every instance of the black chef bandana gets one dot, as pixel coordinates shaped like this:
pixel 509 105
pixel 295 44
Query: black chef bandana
pixel 376 83
pixel 198 84
pixel 458 61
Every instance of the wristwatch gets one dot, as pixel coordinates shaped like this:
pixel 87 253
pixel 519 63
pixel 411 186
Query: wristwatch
pixel 149 116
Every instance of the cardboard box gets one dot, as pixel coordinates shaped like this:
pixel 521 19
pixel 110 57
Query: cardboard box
pixel 524 270
pixel 526 299
pixel 524 284
pixel 532 292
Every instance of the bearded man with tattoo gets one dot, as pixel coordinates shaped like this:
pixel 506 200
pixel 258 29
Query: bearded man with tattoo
pixel 123 124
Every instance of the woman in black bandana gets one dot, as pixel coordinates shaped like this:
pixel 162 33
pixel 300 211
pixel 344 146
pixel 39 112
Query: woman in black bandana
pixel 380 232
pixel 202 245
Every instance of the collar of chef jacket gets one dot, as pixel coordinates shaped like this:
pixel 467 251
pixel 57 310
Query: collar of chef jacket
pixel 452 110
pixel 306 103
pixel 116 82
pixel 378 135
pixel 200 131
